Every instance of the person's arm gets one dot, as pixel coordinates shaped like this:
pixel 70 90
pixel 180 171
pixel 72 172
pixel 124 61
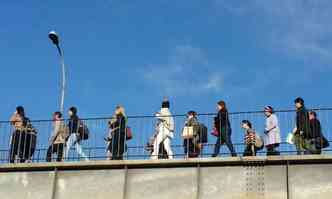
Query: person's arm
pixel 272 123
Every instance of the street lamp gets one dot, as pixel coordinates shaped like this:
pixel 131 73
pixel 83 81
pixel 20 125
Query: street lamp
pixel 55 40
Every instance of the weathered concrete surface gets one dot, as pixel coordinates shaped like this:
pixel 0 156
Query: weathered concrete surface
pixel 294 177
pixel 174 183
pixel 26 185
pixel 310 181
pixel 98 184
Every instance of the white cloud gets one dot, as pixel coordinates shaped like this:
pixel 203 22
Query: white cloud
pixel 187 71
pixel 297 28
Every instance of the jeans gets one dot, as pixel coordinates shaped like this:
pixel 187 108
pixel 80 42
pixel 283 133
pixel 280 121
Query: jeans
pixel 73 140
pixel 224 137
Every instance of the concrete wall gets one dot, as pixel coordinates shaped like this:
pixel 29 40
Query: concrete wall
pixel 206 182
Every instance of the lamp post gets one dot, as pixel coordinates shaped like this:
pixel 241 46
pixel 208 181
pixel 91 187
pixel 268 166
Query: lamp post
pixel 55 40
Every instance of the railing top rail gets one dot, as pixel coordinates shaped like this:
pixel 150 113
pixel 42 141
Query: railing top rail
pixel 183 115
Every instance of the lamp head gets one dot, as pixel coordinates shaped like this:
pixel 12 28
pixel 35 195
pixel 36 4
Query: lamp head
pixel 54 37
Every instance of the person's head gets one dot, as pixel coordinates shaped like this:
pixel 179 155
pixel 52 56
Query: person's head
pixel 20 110
pixel 246 124
pixel 57 115
pixel 268 110
pixel 299 102
pixel 119 110
pixel 165 103
pixel 312 115
pixel 221 105
pixel 191 114
pixel 72 111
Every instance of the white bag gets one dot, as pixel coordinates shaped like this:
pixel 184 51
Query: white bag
pixel 290 138
pixel 188 132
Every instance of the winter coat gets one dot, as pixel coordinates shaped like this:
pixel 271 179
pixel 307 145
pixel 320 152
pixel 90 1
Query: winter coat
pixel 73 124
pixel 316 130
pixel 272 130
pixel 166 123
pixel 60 132
pixel 222 123
pixel 303 123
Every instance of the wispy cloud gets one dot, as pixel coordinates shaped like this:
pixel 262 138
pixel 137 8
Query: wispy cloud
pixel 297 28
pixel 186 71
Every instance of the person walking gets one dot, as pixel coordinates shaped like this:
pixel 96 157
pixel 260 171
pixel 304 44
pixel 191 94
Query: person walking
pixel 252 140
pixel 223 127
pixel 117 134
pixel 74 138
pixel 24 138
pixel 58 139
pixel 191 138
pixel 165 131
pixel 271 131
pixel 302 131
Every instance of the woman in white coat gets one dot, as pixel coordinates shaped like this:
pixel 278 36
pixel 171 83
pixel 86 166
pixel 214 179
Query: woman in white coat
pixel 165 131
pixel 272 132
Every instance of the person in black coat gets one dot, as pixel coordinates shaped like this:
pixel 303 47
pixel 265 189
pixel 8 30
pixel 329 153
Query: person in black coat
pixel 223 126
pixel 118 126
pixel 303 131
pixel 316 131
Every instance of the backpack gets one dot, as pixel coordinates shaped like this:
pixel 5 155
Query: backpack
pixel 203 133
pixel 83 131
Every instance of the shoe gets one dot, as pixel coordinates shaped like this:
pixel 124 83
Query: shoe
pixel 214 155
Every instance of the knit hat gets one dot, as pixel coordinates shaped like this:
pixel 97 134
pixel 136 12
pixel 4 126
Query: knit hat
pixel 269 109
pixel 299 100
pixel 73 110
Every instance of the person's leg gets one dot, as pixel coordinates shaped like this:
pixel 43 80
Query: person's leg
pixel 217 146
pixel 156 144
pixel 167 145
pixel 69 143
pixel 185 146
pixel 49 153
pixel 298 144
pixel 80 150
pixel 59 148
pixel 229 144
pixel 14 146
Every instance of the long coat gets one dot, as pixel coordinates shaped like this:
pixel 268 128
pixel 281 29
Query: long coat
pixel 272 135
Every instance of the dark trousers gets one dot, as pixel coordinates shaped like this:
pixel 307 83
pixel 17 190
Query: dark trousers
pixel 117 147
pixel 272 149
pixel 224 138
pixel 250 150
pixel 55 148
pixel 22 145
pixel 191 149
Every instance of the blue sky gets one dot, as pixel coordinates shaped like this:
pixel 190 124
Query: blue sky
pixel 249 53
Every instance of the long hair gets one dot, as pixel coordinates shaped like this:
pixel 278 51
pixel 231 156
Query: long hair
pixel 223 105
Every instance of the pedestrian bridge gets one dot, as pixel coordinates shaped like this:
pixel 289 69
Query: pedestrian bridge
pixel 282 177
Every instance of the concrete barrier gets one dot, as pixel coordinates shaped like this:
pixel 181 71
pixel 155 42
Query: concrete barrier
pixel 292 177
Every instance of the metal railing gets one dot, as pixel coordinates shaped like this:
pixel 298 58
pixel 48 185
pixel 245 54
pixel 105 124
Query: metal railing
pixel 143 128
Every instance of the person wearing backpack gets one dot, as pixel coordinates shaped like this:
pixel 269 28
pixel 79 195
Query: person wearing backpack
pixel 252 140
pixel 271 131
pixel 74 138
pixel 302 131
pixel 191 138
pixel 223 127
pixel 117 138
pixel 316 136
pixel 165 131
pixel 58 139
pixel 24 138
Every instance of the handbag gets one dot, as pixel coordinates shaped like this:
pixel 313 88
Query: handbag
pixel 215 132
pixel 290 138
pixel 188 132
pixel 129 133
pixel 321 142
